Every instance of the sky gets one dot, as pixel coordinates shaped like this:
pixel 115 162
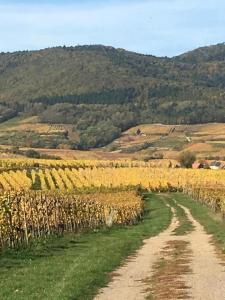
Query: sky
pixel 157 27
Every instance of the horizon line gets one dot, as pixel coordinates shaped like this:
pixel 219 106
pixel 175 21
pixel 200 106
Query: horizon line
pixel 107 46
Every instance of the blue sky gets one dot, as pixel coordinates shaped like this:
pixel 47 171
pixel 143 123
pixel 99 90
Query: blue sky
pixel 158 27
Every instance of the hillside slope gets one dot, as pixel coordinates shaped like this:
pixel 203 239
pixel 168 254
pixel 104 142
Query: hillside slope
pixel 158 143
pixel 102 91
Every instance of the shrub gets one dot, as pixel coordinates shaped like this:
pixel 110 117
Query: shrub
pixel 186 159
pixel 32 154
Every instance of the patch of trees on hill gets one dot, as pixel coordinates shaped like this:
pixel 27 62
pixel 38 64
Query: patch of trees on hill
pixel 103 91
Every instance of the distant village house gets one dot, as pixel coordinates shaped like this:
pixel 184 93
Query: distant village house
pixel 216 165
pixel 138 132
pixel 198 165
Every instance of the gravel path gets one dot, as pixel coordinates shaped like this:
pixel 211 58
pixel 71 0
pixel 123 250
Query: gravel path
pixel 205 281
pixel 129 280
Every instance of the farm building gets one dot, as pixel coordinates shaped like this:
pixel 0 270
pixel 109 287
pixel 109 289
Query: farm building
pixel 138 132
pixel 215 165
pixel 198 165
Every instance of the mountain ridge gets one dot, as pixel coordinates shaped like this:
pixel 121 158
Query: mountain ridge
pixel 103 90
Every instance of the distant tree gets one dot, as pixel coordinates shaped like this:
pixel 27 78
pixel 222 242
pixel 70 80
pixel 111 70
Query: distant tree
pixel 32 154
pixel 15 150
pixel 158 155
pixel 186 159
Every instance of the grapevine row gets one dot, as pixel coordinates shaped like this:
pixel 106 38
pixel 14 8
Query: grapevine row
pixel 28 215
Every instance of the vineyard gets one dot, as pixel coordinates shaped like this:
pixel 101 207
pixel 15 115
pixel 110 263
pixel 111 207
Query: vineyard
pixel 28 215
pixel 17 163
pixel 51 197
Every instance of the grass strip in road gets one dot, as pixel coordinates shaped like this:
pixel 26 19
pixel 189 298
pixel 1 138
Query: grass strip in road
pixel 166 282
pixel 185 225
pixel 75 266
pixel 212 223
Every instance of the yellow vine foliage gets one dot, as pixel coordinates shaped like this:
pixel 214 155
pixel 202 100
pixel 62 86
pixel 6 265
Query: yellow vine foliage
pixel 28 215
pixel 207 186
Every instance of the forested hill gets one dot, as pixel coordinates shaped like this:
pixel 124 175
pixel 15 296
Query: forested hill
pixel 103 90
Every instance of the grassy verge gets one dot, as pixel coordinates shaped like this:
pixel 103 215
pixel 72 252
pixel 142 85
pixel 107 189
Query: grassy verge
pixel 76 266
pixel 212 223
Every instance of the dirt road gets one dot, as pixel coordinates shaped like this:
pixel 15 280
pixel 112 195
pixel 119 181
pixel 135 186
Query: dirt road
pixel 170 267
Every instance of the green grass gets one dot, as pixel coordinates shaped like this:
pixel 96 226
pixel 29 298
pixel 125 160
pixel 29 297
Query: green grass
pixel 76 266
pixel 174 142
pixel 212 223
pixel 11 122
pixel 185 225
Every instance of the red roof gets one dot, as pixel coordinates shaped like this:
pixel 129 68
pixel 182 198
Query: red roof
pixel 196 165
